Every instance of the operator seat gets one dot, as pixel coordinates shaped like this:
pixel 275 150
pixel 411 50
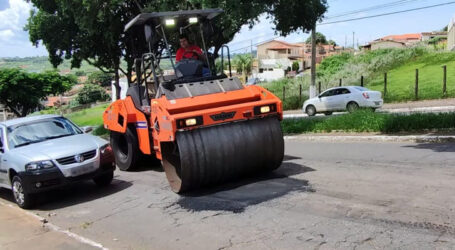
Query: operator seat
pixel 188 69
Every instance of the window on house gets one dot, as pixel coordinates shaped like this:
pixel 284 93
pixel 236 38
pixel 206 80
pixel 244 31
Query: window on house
pixel 261 70
pixel 270 69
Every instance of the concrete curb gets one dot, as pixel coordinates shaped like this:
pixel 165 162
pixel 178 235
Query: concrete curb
pixel 374 138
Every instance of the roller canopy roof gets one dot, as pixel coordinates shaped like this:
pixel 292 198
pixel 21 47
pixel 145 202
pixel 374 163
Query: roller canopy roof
pixel 158 17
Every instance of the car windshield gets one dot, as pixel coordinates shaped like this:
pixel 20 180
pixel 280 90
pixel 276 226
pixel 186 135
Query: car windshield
pixel 361 88
pixel 39 131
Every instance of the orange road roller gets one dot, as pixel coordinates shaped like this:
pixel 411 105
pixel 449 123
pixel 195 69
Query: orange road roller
pixel 205 127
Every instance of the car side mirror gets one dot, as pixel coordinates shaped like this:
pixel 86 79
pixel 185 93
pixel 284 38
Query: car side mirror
pixel 87 129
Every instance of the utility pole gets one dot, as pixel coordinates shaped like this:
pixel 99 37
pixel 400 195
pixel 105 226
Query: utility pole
pixel 353 41
pixel 251 47
pixel 313 62
pixel 345 41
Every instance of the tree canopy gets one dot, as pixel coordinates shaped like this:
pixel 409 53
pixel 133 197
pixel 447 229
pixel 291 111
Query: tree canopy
pixel 93 30
pixel 22 92
pixel 320 39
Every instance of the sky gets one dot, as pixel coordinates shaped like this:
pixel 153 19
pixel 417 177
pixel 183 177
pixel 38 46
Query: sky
pixel 14 40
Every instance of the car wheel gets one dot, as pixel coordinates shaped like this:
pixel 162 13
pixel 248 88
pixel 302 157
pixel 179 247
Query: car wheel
pixel 125 147
pixel 22 198
pixel 328 113
pixel 352 106
pixel 104 179
pixel 310 110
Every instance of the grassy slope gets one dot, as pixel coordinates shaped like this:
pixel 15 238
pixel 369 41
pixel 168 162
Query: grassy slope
pixel 400 64
pixel 88 117
pixel 401 80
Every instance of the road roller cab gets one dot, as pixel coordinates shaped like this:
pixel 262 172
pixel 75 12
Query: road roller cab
pixel 205 128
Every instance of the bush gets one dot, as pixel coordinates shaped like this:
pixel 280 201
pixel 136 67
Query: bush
pixel 368 121
pixel 91 93
pixel 100 130
pixel 80 73
pixel 100 78
pixel 295 66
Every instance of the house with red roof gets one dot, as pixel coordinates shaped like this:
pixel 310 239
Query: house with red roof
pixel 275 56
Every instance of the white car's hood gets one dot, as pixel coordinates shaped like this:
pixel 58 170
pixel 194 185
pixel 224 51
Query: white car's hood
pixel 61 147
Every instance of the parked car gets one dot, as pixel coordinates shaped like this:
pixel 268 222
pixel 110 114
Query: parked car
pixel 39 153
pixel 340 99
pixel 253 81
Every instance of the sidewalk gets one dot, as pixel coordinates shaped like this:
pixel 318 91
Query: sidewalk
pixel 19 229
pixel 447 137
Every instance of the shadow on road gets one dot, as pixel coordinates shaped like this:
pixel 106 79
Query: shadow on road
pixel 71 195
pixel 436 147
pixel 237 196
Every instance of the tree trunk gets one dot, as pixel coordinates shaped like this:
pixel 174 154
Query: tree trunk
pixel 117 84
pixel 313 63
pixel 14 110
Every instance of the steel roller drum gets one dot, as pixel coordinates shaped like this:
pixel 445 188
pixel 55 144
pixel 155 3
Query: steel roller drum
pixel 214 155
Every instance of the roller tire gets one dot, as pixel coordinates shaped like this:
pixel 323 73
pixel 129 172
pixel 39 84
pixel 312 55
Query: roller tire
pixel 125 148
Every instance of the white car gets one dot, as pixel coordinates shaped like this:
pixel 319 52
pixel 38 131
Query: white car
pixel 341 99
pixel 44 152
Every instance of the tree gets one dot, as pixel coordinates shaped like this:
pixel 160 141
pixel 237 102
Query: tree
pixel 332 42
pixel 93 30
pixel 22 92
pixel 91 93
pixel 243 63
pixel 295 66
pixel 291 16
pixel 320 39
pixel 100 78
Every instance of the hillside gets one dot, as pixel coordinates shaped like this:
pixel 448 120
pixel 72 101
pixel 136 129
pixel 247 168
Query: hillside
pixel 41 63
pixel 400 64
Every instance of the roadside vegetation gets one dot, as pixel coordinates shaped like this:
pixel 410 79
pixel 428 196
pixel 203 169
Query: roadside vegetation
pixel 291 86
pixel 400 64
pixel 368 121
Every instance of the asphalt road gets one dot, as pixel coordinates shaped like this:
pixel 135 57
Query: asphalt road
pixel 325 196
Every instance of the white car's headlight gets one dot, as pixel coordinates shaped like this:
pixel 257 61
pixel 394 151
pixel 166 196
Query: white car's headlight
pixel 39 165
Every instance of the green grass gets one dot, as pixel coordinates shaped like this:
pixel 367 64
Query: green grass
pixel 400 65
pixel 292 98
pixel 401 80
pixel 88 117
pixel 368 121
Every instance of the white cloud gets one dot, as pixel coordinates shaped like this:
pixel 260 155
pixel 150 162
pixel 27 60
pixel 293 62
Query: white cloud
pixel 6 35
pixel 13 39
pixel 15 16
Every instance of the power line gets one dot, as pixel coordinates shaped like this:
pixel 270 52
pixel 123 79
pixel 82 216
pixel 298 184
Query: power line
pixel 388 14
pixel 375 7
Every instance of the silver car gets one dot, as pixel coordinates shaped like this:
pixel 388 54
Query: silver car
pixel 44 152
pixel 347 98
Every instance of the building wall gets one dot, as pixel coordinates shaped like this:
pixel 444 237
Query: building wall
pixel 386 45
pixel 262 48
pixel 451 35
pixel 271 74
